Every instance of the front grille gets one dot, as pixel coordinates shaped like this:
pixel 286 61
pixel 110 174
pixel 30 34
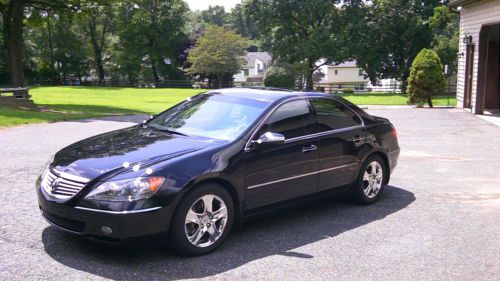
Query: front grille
pixel 65 223
pixel 62 185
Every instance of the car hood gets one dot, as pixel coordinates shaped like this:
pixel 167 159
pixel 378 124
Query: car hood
pixel 116 150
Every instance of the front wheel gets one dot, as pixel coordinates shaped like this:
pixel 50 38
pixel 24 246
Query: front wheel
pixel 369 185
pixel 202 220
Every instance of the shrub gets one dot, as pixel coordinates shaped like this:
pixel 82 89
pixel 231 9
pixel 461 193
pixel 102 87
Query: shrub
pixel 348 91
pixel 426 78
pixel 280 76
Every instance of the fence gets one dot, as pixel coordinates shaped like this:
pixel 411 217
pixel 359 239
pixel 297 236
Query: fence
pixel 364 88
pixel 119 83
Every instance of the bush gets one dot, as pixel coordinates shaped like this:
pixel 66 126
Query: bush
pixel 348 91
pixel 426 78
pixel 280 76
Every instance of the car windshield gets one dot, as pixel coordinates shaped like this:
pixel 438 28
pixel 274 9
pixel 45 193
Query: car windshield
pixel 210 115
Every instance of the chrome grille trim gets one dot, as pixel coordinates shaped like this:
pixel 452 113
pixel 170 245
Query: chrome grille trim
pixel 67 185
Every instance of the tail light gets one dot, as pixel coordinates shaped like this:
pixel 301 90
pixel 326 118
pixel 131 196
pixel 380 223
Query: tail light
pixel 394 132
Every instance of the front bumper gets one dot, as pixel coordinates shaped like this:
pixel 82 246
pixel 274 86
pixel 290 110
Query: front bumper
pixel 90 222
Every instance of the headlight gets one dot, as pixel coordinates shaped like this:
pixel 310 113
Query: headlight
pixel 126 190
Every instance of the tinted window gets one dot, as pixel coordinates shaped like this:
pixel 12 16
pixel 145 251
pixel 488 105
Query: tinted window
pixel 292 119
pixel 332 115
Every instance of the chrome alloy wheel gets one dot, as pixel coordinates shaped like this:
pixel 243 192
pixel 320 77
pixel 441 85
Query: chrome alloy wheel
pixel 205 220
pixel 373 179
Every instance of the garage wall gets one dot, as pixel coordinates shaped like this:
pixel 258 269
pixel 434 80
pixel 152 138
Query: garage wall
pixel 472 18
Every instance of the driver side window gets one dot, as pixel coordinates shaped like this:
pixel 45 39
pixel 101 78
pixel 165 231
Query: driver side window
pixel 292 119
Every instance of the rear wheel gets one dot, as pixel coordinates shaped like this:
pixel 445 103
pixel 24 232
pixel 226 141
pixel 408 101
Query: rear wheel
pixel 202 220
pixel 369 185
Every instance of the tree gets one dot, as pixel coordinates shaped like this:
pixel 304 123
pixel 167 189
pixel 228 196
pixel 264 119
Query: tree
pixel 444 26
pixel 386 35
pixel 218 52
pixel 152 31
pixel 13 15
pixel 426 78
pixel 302 31
pixel 97 21
pixel 215 15
pixel 242 23
pixel 280 76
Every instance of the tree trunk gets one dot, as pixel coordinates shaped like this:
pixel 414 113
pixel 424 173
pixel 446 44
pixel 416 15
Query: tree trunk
pixel 51 50
pixel 156 76
pixel 429 101
pixel 220 80
pixel 309 75
pixel 13 26
pixel 97 48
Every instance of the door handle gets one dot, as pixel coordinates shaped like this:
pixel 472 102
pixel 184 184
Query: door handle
pixel 309 148
pixel 358 138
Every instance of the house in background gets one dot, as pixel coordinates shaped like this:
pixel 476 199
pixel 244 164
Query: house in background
pixel 254 70
pixel 478 83
pixel 343 76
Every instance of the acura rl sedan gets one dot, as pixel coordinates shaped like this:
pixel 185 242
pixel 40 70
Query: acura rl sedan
pixel 194 171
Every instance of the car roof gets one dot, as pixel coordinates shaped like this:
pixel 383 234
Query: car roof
pixel 265 94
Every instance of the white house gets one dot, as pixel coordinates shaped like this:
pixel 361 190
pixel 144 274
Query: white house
pixel 343 76
pixel 253 71
pixel 478 83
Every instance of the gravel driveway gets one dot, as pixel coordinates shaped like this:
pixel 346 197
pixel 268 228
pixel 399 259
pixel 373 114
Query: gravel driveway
pixel 439 219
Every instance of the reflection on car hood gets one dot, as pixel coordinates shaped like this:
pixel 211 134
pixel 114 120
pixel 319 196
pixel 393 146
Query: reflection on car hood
pixel 100 154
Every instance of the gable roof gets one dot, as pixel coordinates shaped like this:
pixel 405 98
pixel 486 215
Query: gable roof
pixel 264 57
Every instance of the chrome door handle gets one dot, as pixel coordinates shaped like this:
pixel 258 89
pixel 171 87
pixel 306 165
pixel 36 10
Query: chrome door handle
pixel 358 139
pixel 309 148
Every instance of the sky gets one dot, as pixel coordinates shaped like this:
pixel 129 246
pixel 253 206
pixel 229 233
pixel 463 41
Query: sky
pixel 203 4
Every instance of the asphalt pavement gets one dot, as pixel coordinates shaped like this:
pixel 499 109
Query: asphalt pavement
pixel 438 220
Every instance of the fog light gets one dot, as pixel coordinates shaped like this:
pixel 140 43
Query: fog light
pixel 106 230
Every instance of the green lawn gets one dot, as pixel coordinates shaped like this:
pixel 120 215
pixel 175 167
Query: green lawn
pixel 69 103
pixel 391 99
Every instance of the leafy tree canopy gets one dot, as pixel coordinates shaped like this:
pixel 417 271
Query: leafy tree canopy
pixel 218 52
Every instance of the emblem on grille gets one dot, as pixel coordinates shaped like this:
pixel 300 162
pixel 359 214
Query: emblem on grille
pixel 54 185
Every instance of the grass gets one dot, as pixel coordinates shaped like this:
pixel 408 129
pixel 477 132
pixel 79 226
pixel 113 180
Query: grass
pixel 70 103
pixel 392 99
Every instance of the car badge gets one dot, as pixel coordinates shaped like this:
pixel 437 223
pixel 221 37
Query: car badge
pixel 54 185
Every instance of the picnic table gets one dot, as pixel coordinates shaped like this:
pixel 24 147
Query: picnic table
pixel 18 93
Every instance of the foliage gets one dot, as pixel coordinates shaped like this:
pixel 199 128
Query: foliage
pixel 444 26
pixel 217 53
pixel 426 78
pixel 348 91
pixel 280 76
pixel 302 31
pixel 388 36
pixel 215 15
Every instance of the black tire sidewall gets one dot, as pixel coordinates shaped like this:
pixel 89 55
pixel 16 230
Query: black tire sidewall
pixel 358 191
pixel 177 238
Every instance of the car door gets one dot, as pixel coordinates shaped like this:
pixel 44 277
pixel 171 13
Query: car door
pixel 340 136
pixel 277 172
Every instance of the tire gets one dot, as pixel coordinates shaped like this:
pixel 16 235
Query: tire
pixel 369 185
pixel 195 230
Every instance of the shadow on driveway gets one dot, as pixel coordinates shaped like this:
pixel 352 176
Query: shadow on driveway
pixel 276 234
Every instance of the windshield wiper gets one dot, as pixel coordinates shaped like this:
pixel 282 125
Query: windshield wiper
pixel 168 131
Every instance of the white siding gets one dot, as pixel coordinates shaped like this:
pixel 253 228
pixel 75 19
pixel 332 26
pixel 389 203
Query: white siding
pixel 472 18
pixel 345 75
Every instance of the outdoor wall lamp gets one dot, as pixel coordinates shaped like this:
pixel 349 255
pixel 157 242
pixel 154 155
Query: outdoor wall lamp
pixel 467 39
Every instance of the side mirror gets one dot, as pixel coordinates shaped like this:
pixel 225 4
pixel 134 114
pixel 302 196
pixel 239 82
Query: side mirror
pixel 271 138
